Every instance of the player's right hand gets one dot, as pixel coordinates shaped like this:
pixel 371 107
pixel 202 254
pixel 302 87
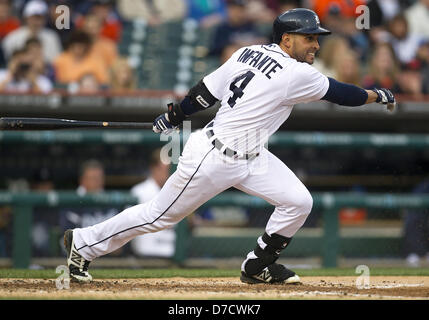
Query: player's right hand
pixel 162 125
pixel 386 97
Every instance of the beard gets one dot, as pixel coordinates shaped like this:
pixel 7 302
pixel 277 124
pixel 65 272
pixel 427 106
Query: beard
pixel 304 56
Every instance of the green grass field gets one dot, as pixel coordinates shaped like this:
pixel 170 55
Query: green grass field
pixel 197 273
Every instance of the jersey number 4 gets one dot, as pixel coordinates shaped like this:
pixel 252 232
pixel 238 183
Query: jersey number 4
pixel 238 91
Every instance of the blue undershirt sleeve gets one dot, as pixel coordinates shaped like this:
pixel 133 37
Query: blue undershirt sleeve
pixel 345 94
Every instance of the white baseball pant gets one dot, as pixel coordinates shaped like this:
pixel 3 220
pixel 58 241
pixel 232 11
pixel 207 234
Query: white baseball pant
pixel 202 173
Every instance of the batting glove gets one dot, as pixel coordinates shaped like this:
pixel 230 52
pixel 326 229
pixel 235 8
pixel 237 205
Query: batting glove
pixel 162 124
pixel 385 97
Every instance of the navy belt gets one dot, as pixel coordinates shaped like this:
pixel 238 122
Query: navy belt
pixel 228 152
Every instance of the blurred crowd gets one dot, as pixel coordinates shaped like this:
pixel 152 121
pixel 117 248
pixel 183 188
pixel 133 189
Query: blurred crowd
pixel 74 44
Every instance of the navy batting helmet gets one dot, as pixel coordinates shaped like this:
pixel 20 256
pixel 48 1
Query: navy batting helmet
pixel 299 20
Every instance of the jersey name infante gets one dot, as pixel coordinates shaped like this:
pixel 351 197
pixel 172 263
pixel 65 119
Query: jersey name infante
pixel 258 86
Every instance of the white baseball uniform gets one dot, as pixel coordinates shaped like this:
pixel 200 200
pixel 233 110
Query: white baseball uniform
pixel 257 87
pixel 157 244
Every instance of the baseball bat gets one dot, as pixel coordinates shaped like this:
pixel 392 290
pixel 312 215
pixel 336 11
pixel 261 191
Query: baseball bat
pixel 8 123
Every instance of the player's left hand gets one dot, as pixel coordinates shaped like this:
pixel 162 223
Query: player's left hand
pixel 386 97
pixel 162 124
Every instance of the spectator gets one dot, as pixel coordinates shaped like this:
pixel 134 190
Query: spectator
pixel 45 219
pixel 104 10
pixel 208 13
pixel 34 14
pixel 340 17
pixel 416 230
pixel 43 180
pixel 405 46
pixel 383 69
pixel 87 84
pixel 333 48
pixel 153 12
pixel 412 77
pixel 102 47
pixel 418 18
pixel 23 75
pixel 8 22
pixel 260 13
pixel 329 11
pixel 346 68
pixel 91 177
pixel 357 39
pixel 122 77
pixel 280 6
pixel 91 181
pixel 381 11
pixel 78 61
pixel 162 243
pixel 34 49
pixel 404 43
pixel 411 83
pixel 423 64
pixel 237 31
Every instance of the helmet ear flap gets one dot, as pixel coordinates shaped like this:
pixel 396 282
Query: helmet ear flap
pixel 277 39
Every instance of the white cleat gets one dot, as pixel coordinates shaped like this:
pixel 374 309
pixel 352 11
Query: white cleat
pixel 78 266
pixel 274 274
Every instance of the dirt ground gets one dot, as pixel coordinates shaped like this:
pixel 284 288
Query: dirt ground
pixel 397 287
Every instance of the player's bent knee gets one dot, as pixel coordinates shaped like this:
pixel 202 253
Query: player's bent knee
pixel 307 203
pixel 303 203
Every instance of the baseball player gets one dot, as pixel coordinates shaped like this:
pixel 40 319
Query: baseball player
pixel 257 89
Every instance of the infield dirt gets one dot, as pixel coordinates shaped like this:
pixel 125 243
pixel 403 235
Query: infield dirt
pixel 380 287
